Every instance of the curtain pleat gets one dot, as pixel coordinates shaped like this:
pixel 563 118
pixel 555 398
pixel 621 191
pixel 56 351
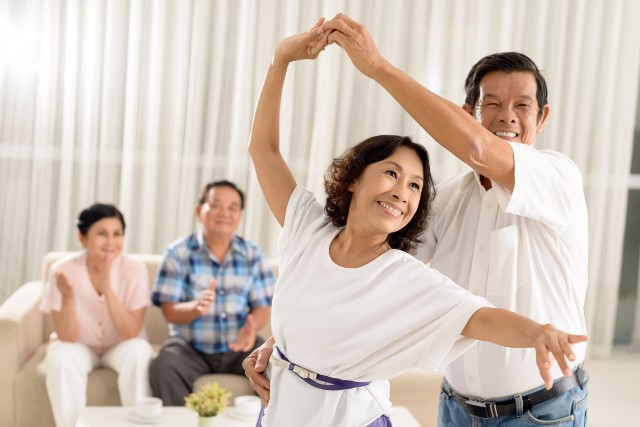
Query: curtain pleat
pixel 140 102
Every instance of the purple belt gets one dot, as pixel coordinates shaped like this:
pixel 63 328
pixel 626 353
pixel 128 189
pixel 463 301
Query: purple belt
pixel 312 378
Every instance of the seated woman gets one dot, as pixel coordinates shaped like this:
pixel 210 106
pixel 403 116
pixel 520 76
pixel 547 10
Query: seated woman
pixel 351 307
pixel 97 299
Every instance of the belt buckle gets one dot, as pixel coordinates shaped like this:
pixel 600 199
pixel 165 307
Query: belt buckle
pixel 490 409
pixel 298 370
pixel 304 373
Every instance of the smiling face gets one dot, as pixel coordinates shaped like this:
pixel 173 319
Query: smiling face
pixel 387 193
pixel 508 108
pixel 104 239
pixel 221 212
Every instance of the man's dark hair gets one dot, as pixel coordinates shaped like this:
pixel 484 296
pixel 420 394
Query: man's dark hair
pixel 222 183
pixel 95 213
pixel 507 62
pixel 345 169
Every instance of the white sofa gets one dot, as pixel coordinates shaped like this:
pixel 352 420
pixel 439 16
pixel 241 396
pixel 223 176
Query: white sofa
pixel 24 334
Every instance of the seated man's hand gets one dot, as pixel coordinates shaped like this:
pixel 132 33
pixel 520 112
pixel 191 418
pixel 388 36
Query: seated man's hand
pixel 246 337
pixel 206 297
pixel 254 367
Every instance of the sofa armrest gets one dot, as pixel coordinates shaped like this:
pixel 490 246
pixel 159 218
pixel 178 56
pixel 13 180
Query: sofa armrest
pixel 21 333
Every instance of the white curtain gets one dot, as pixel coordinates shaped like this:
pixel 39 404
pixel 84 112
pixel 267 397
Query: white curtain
pixel 140 102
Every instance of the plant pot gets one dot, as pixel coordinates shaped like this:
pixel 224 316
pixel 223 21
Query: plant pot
pixel 208 422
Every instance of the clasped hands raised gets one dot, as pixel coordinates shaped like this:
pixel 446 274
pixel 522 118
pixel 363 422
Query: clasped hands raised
pixel 353 37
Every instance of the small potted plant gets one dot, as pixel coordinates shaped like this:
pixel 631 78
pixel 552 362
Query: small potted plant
pixel 208 402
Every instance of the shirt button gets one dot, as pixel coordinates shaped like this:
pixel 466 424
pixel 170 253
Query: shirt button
pixel 223 315
pixel 221 292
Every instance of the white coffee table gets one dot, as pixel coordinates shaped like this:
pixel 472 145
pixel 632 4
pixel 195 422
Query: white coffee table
pixel 173 416
pixel 179 416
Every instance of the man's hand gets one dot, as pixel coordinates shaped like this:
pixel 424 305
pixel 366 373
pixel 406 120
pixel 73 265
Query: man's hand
pixel 205 299
pixel 554 341
pixel 254 366
pixel 246 337
pixel 355 39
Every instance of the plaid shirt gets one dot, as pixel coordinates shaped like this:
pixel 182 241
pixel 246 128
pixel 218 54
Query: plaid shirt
pixel 245 282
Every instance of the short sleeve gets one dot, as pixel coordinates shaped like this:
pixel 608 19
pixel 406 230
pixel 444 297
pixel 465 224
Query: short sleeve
pixel 548 186
pixel 302 211
pixel 447 343
pixel 264 281
pixel 169 284
pixel 51 297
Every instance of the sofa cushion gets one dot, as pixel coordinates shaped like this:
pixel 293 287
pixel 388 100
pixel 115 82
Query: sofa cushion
pixel 20 335
pixel 418 390
pixel 30 387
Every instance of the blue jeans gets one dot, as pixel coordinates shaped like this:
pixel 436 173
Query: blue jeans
pixel 567 410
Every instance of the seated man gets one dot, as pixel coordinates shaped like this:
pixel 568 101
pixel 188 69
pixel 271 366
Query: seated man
pixel 215 290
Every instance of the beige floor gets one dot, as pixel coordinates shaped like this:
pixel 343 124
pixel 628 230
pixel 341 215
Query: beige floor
pixel 613 389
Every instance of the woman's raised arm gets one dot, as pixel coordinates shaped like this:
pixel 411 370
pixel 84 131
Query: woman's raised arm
pixel 275 178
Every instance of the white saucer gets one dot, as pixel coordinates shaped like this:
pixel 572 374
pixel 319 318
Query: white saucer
pixel 132 416
pixel 233 413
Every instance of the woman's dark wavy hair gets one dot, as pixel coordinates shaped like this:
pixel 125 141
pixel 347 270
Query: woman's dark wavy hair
pixel 345 169
pixel 95 213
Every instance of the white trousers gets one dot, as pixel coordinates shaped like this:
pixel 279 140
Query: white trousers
pixel 67 367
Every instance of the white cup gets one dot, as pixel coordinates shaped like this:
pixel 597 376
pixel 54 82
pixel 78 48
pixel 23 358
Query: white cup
pixel 148 407
pixel 247 406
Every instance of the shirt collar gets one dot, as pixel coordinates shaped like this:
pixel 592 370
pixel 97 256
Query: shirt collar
pixel 236 245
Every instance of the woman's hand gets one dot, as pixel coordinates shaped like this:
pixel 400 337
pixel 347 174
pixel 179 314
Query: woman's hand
pixel 304 45
pixel 254 366
pixel 509 329
pixel 64 321
pixel 100 273
pixel 553 341
pixel 63 285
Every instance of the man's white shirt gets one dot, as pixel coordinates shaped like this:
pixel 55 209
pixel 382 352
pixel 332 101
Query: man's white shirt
pixel 525 251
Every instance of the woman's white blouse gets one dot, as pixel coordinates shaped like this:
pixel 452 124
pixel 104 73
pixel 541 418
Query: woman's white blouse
pixel 359 324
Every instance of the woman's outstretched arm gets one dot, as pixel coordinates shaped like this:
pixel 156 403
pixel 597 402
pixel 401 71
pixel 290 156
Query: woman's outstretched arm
pixel 509 329
pixel 275 178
